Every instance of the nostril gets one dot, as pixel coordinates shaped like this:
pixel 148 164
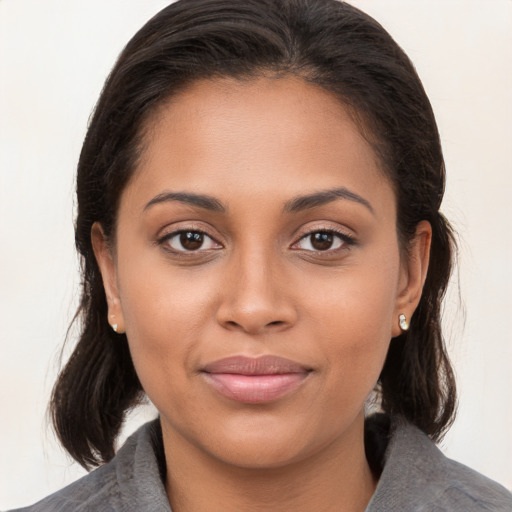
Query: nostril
pixel 253 328
pixel 254 316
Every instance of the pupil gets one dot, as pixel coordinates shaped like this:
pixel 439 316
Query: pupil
pixel 191 240
pixel 321 241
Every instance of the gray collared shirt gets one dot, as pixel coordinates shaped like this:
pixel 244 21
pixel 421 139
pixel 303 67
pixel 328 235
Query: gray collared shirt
pixel 416 477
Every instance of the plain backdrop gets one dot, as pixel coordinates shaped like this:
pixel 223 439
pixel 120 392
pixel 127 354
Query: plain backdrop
pixel 54 57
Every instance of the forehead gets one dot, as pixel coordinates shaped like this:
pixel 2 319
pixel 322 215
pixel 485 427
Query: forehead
pixel 221 135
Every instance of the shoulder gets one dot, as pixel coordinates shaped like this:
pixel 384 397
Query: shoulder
pixel 130 481
pixel 417 476
pixel 96 489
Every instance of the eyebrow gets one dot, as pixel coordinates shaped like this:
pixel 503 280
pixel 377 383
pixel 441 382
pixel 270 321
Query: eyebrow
pixel 203 201
pixel 322 197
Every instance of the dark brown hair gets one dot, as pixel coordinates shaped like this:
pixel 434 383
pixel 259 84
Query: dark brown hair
pixel 328 43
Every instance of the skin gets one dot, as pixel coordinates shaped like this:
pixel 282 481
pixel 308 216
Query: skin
pixel 257 286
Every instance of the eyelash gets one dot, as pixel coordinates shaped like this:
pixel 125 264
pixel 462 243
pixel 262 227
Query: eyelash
pixel 184 252
pixel 346 241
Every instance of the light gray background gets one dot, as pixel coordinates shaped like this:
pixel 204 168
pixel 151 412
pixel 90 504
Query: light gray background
pixel 54 56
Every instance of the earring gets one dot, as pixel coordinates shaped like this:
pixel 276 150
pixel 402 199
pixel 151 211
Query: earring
pixel 402 320
pixel 114 326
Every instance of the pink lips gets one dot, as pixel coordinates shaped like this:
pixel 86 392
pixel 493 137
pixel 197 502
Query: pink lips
pixel 255 380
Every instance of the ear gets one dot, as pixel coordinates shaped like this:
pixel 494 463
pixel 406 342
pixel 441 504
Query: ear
pixel 106 263
pixel 412 275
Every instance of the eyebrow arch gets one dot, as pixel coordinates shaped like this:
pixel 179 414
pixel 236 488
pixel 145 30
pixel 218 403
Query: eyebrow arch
pixel 322 197
pixel 203 201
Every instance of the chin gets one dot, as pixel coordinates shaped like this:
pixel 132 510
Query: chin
pixel 263 452
pixel 272 442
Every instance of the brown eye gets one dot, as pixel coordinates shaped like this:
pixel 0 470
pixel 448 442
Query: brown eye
pixel 322 240
pixel 190 241
pixel 318 241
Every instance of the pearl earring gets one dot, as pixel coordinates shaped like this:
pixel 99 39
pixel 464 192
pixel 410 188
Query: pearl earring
pixel 114 326
pixel 402 320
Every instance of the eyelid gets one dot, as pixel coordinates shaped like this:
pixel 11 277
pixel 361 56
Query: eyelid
pixel 185 225
pixel 347 239
pixel 172 236
pixel 173 230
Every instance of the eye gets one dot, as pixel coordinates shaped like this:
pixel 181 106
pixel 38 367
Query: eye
pixel 190 241
pixel 324 240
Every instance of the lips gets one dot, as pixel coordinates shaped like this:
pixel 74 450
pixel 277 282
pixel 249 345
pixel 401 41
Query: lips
pixel 255 380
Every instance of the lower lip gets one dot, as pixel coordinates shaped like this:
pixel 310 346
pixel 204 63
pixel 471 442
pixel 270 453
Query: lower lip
pixel 255 388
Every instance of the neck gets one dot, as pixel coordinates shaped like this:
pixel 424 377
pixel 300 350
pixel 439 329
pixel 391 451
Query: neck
pixel 337 478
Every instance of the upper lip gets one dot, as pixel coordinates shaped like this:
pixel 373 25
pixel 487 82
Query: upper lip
pixel 263 365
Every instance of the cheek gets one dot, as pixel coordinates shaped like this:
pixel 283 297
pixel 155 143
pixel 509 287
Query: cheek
pixel 159 298
pixel 353 318
pixel 167 313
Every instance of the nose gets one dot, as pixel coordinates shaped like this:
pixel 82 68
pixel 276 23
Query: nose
pixel 255 297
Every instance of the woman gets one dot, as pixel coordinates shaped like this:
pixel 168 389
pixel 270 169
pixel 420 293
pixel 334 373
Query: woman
pixel 258 216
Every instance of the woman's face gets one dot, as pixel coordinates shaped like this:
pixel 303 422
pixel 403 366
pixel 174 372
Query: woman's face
pixel 257 272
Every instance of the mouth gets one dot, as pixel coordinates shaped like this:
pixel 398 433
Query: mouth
pixel 255 380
